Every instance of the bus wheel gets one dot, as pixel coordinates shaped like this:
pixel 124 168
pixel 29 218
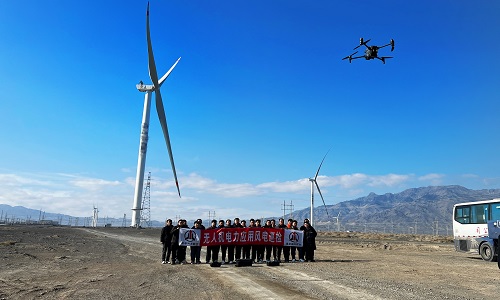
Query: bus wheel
pixel 487 252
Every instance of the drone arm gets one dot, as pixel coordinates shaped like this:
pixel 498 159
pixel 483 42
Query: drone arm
pixel 390 44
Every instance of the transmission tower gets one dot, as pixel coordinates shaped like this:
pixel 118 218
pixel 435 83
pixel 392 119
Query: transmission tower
pixel 211 216
pixel 124 224
pixel 287 207
pixel 146 204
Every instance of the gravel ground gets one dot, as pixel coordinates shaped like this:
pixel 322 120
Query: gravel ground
pixel 124 263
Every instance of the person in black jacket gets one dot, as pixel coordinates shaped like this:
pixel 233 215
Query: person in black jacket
pixel 268 248
pixel 175 242
pixel 245 249
pixel 281 225
pixel 237 248
pixel 178 251
pixel 309 241
pixel 166 239
pixel 293 250
pixel 195 250
pixel 212 251
pixel 230 247
pixel 223 248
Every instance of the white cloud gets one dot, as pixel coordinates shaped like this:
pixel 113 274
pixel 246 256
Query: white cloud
pixel 388 180
pixel 93 184
pixel 76 195
pixel 350 180
pixel 433 178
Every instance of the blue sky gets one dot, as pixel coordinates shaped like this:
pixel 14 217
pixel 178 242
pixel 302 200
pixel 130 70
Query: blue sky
pixel 258 98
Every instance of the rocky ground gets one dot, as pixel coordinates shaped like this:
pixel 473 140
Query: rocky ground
pixel 124 263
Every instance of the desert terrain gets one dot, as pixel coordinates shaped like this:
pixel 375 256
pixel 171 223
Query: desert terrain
pixel 49 262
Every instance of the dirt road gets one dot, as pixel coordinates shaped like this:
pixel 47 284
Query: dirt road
pixel 123 263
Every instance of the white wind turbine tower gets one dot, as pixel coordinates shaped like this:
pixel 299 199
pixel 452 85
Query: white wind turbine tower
pixel 337 221
pixel 313 183
pixel 155 87
pixel 95 217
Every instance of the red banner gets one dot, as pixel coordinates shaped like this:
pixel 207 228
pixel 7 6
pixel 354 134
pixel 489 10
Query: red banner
pixel 242 236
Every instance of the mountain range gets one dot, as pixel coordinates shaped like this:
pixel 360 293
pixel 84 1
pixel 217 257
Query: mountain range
pixel 417 210
pixel 424 210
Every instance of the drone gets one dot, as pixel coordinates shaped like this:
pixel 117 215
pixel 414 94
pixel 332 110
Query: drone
pixel 371 52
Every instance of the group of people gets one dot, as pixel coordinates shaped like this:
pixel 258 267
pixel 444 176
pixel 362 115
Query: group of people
pixel 231 253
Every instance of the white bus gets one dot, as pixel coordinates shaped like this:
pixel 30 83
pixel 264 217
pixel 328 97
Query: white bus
pixel 470 226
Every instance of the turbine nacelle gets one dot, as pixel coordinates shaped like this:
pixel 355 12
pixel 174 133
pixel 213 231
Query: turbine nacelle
pixel 145 87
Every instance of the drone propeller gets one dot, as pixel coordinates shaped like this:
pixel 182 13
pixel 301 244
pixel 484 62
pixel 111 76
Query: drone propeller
pixel 362 43
pixel 350 56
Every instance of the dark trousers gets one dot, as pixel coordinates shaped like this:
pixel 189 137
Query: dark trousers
pixel 269 249
pixel 230 253
pixel 195 254
pixel 237 252
pixel 167 249
pixel 293 251
pixel 279 249
pixel 181 253
pixel 260 252
pixel 301 252
pixel 175 251
pixel 246 251
pixel 223 250
pixel 255 255
pixel 309 253
pixel 215 253
pixel 208 257
pixel 286 253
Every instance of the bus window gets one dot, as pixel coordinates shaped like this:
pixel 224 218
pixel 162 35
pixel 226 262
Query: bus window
pixel 495 211
pixel 462 214
pixel 479 213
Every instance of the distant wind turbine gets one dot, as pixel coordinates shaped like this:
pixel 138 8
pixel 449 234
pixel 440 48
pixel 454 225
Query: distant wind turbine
pixel 313 183
pixel 155 87
pixel 337 221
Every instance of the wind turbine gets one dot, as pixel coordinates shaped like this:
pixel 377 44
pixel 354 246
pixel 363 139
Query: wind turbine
pixel 149 89
pixel 95 217
pixel 337 221
pixel 313 183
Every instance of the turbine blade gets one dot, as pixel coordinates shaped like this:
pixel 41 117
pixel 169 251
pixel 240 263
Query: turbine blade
pixel 319 191
pixel 168 72
pixel 151 59
pixel 159 103
pixel 163 121
pixel 316 176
